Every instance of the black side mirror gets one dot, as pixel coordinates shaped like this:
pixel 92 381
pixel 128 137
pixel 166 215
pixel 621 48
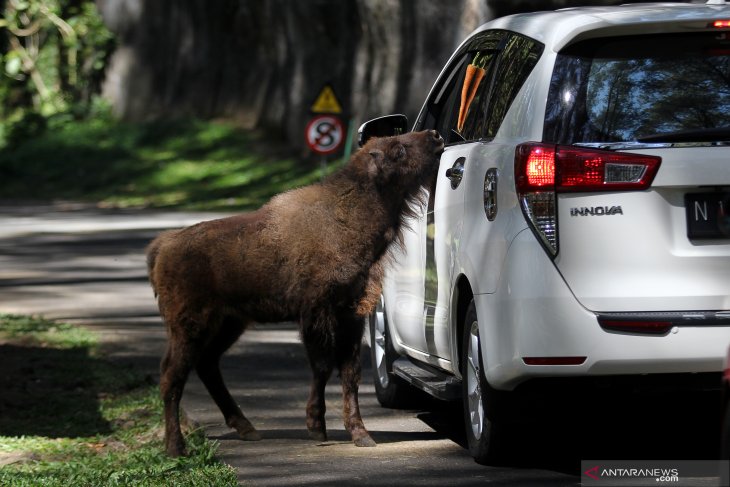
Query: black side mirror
pixel 382 127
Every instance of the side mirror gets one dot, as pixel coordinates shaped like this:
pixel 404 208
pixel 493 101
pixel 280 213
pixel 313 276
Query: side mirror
pixel 382 127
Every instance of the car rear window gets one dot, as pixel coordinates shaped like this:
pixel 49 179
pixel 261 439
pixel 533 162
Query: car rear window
pixel 628 88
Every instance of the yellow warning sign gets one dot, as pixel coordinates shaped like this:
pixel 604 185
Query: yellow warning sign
pixel 326 102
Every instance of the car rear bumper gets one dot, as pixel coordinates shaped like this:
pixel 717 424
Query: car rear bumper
pixel 533 315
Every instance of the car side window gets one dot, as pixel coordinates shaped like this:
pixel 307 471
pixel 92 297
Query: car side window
pixel 518 57
pixel 474 96
pixel 453 110
pixel 449 110
pixel 439 110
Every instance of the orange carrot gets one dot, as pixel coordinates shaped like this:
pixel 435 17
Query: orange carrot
pixel 472 78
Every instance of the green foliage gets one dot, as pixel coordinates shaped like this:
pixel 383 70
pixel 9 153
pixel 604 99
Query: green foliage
pixel 53 55
pixel 23 125
pixel 185 163
pixel 70 417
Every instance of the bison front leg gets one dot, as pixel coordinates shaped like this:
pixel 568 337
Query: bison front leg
pixel 350 373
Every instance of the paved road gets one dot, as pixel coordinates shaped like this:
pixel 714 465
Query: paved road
pixel 84 265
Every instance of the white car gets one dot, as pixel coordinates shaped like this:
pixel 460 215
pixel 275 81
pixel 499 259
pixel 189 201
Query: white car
pixel 578 225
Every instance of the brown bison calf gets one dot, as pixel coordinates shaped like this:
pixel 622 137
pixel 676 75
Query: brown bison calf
pixel 312 255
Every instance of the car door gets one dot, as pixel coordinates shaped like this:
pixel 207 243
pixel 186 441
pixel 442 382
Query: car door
pixel 453 110
pixel 466 106
pixel 414 273
pixel 463 200
pixel 445 215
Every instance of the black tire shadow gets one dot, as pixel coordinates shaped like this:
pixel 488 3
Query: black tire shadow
pixel 558 433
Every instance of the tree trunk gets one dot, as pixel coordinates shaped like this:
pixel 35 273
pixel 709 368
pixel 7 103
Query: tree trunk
pixel 262 63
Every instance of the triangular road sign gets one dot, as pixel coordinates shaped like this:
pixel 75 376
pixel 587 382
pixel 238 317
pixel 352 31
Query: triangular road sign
pixel 326 102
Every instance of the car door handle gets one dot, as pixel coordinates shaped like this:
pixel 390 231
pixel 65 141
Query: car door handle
pixel 456 172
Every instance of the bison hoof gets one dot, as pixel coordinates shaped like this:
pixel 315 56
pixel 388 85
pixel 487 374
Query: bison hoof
pixel 251 435
pixel 318 435
pixel 244 428
pixel 365 441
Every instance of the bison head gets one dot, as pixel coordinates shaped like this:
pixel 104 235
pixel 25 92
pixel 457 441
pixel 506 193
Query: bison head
pixel 401 164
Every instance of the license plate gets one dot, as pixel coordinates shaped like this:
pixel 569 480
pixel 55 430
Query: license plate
pixel 708 215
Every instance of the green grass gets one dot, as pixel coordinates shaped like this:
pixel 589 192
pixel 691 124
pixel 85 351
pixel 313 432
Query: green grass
pixel 68 417
pixel 43 332
pixel 186 164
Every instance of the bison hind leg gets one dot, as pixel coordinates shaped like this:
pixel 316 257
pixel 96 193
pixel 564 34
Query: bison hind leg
pixel 174 370
pixel 208 369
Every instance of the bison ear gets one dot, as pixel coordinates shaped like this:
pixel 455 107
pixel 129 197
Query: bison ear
pixel 376 157
pixel 398 152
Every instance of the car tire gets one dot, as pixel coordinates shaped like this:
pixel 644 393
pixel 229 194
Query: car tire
pixel 725 440
pixel 485 408
pixel 390 390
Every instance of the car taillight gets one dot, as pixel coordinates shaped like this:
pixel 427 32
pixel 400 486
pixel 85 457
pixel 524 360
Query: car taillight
pixel 540 167
pixel 543 170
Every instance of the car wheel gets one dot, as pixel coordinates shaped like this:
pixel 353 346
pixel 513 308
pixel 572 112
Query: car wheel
pixel 483 406
pixel 725 415
pixel 391 391
pixel 725 440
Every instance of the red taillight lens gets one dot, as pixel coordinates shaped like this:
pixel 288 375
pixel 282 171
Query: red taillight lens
pixel 543 170
pixel 535 167
pixel 591 170
pixel 540 167
pixel 721 24
pixel 568 169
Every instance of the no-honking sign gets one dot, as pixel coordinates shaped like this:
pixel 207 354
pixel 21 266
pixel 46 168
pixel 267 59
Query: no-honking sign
pixel 324 134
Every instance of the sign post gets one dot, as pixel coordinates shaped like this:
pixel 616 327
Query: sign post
pixel 325 132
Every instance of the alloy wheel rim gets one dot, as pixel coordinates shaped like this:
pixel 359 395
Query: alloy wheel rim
pixel 473 383
pixel 379 345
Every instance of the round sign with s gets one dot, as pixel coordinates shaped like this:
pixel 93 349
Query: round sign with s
pixel 324 134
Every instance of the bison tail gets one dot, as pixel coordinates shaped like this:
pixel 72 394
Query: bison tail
pixel 153 249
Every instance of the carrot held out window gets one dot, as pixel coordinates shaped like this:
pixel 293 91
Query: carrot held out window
pixel 474 91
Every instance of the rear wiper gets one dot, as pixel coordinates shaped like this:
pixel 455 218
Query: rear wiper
pixel 719 134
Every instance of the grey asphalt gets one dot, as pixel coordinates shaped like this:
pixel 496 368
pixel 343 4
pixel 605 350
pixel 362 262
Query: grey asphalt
pixel 85 265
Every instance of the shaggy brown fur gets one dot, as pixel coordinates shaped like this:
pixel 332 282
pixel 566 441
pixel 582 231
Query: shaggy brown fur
pixel 312 255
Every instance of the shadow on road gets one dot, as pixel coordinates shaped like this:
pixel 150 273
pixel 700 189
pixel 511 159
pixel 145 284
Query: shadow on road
pixel 37 398
pixel 67 269
pixel 620 425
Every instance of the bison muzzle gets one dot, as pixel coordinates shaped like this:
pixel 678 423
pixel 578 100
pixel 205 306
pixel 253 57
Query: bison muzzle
pixel 314 255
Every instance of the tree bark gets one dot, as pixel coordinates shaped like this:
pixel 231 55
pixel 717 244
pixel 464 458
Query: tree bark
pixel 262 63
